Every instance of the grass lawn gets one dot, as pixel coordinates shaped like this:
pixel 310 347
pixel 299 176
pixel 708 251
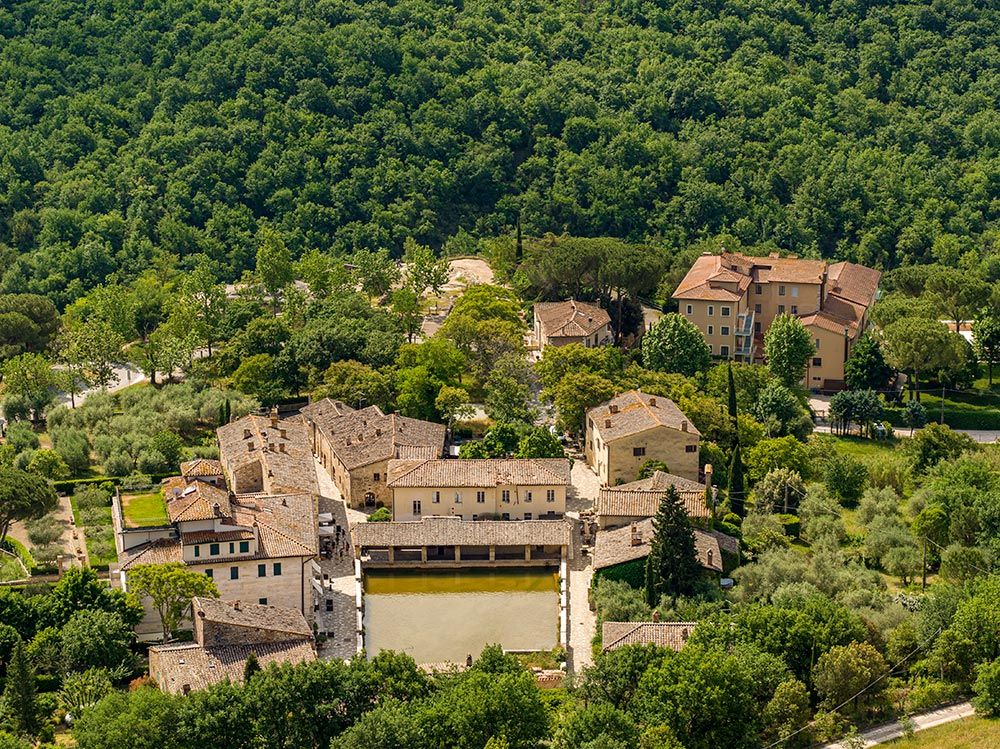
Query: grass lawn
pixel 143 510
pixel 11 568
pixel 969 733
pixel 857 447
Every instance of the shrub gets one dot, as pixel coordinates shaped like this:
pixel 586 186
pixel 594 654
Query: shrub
pixel 845 478
pixel 987 689
pixel 22 437
pixel 380 515
pixel 48 463
pixel 118 464
pixel 44 530
pixel 136 481
pixel 927 693
pixel 90 496
pixel 73 447
pixel 791 524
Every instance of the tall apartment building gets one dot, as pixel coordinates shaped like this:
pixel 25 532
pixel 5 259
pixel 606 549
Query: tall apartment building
pixel 733 298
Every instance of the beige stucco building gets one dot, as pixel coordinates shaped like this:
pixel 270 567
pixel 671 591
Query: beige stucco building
pixel 503 489
pixel 561 323
pixel 733 298
pixel 255 548
pixel 355 446
pixel 635 427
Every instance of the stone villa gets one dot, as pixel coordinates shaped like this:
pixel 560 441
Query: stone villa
pixel 561 323
pixel 732 298
pixel 355 446
pixel 507 489
pixel 634 427
pixel 225 634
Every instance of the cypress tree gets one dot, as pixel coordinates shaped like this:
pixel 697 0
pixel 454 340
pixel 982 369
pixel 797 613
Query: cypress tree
pixel 737 484
pixel 19 695
pixel 671 567
pixel 251 667
pixel 732 394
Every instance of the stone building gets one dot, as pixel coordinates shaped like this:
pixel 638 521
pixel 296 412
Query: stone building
pixel 266 454
pixel 635 427
pixel 624 504
pixel 355 446
pixel 733 298
pixel 561 323
pixel 225 634
pixel 504 488
pixel 673 635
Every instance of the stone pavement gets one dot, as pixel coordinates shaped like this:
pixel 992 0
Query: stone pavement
pixel 584 486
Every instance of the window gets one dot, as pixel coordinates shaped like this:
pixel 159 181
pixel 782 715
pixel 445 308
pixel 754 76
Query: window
pixel 437 497
pixel 329 604
pixel 527 496
pixel 781 309
pixel 690 448
pixel 505 495
pixel 795 309
pixel 276 569
pixel 244 547
pixel 197 551
pixel 263 601
pixel 232 548
pixel 756 308
pixel 689 309
pixel 213 549
pixel 817 344
pixel 726 311
pixel 261 570
pixel 724 351
pixel 550 495
pixel 725 330
pixel 711 349
pixel 711 329
pixel 475 517
pixel 480 497
pixel 781 291
pixel 795 292
pixel 758 289
pixel 527 516
pixel 711 310
pixel 376 477
pixel 638 452
pixel 756 327
pixel 458 498
pixel 416 507
pixel 209 573
pixel 505 516
pixel 817 361
pixel 234 573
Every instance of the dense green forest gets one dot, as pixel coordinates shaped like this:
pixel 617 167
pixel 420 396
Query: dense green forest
pixel 151 133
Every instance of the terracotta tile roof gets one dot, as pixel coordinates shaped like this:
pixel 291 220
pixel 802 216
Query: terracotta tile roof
pixel 708 273
pixel 201 467
pixel 825 321
pixel 448 531
pixel 703 280
pixel 160 551
pixel 634 412
pixel 613 547
pixel 570 319
pixel 204 537
pixel 195 667
pixel 367 436
pixel 196 501
pixel 286 524
pixel 853 282
pixel 642 498
pixel 282 447
pixel 253 616
pixel 671 635
pixel 485 472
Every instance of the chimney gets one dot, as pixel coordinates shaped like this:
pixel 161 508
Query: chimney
pixel 652 402
pixel 710 557
pixel 284 503
pixel 283 434
pixel 684 425
pixel 378 432
pixel 656 615
pixel 274 417
pixel 249 447
pixel 217 509
pixel 282 447
pixel 236 605
pixel 348 440
pixel 361 437
pixel 636 539
pixel 607 423
pixel 708 473
pixel 246 434
pixel 613 408
pixel 685 633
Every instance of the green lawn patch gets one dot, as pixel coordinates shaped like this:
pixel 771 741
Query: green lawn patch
pixel 143 510
pixel 857 447
pixel 968 733
pixel 11 567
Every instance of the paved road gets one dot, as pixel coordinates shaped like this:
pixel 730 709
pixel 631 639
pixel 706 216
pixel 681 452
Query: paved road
pixel 985 436
pixel 923 721
pixel 123 377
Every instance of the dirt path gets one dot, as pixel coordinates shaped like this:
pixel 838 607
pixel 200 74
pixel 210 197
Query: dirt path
pixel 70 545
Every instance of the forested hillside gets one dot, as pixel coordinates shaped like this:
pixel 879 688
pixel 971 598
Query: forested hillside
pixel 139 132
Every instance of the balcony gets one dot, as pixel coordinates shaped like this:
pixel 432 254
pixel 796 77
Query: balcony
pixel 744 349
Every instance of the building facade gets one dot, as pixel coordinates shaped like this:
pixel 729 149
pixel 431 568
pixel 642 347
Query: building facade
pixel 562 323
pixel 498 489
pixel 733 299
pixel 636 427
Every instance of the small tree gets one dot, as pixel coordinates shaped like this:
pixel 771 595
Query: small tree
pixel 19 694
pixel 779 491
pixel 671 567
pixel 987 688
pixel 251 667
pixel 737 483
pixel 914 415
pixel 674 344
pixel 788 346
pixel 23 496
pixel 865 368
pixel 170 587
pixel 986 337
pixel 274 264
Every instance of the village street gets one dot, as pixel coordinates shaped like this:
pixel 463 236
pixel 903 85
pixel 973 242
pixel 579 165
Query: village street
pixel 582 621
